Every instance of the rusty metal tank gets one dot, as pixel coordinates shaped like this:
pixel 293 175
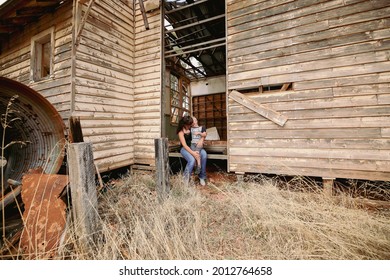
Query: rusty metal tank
pixel 35 137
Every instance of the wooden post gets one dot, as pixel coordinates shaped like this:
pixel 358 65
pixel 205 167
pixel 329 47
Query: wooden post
pixel 240 176
pixel 75 131
pixel 83 190
pixel 328 186
pixel 162 168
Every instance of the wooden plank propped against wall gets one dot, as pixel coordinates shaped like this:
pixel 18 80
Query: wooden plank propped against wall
pixel 142 7
pixel 258 108
pixel 84 19
pixel 285 87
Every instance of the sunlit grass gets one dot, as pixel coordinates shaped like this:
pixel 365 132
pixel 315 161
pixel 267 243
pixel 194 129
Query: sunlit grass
pixel 259 218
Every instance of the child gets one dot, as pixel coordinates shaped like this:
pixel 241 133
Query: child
pixel 197 133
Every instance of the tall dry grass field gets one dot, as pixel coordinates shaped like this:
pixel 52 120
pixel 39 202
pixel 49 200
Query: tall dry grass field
pixel 259 218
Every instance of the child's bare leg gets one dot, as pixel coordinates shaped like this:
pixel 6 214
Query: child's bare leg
pixel 198 166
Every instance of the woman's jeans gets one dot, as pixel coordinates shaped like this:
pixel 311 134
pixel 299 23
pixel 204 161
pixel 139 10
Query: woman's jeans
pixel 191 163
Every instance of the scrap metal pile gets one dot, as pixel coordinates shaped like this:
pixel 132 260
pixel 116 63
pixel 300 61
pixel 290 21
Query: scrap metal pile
pixel 33 212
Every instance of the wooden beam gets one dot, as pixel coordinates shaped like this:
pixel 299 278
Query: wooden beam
pixel 196 69
pixel 258 108
pixel 83 21
pixel 162 168
pixel 209 156
pixel 83 190
pixel 34 11
pixel 194 24
pixel 6 28
pixel 196 50
pixel 142 7
pixel 196 45
pixel 185 6
pixel 285 87
pixel 151 5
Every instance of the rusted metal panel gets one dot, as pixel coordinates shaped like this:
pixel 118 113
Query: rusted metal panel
pixel 44 216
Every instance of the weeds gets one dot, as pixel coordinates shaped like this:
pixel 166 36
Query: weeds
pixel 256 219
pixel 7 120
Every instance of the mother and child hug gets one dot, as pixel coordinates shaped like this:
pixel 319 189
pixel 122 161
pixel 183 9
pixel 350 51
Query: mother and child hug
pixel 192 137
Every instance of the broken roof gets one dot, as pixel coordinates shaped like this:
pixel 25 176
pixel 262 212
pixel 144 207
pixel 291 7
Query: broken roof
pixel 195 35
pixel 194 30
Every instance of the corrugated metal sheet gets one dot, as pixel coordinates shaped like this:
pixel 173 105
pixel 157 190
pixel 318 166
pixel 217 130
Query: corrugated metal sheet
pixel 37 124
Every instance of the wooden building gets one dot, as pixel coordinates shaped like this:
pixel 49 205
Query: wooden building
pixel 293 87
pixel 329 61
pixel 88 51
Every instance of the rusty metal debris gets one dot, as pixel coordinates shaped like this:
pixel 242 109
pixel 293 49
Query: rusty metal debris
pixel 37 132
pixel 9 197
pixel 34 136
pixel 44 216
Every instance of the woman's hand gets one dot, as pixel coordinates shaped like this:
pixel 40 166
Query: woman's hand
pixel 196 155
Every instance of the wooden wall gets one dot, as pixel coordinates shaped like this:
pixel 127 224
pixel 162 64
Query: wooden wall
pixel 336 55
pixel 147 85
pixel 210 111
pixel 104 82
pixel 15 58
pixel 94 80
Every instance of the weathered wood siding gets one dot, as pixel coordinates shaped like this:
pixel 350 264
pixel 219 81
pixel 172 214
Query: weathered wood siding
pixel 336 55
pixel 104 82
pixel 147 86
pixel 15 58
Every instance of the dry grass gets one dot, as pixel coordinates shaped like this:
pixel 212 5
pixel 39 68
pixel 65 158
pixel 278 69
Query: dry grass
pixel 255 219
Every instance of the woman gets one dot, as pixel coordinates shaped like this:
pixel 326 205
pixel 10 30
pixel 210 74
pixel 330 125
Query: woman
pixel 184 133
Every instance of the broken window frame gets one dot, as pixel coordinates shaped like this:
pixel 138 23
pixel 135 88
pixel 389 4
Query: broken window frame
pixel 42 53
pixel 180 97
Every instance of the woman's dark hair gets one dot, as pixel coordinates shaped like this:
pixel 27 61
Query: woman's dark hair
pixel 186 120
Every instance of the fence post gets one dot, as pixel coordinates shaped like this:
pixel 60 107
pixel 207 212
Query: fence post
pixel 328 186
pixel 162 168
pixel 83 190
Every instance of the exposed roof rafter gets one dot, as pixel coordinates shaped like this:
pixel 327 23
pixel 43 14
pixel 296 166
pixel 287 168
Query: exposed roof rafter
pixel 197 30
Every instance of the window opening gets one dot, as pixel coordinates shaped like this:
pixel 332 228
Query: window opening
pixel 268 88
pixel 180 98
pixel 42 55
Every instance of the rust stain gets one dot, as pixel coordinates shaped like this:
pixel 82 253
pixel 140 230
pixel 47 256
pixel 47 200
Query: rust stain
pixel 44 217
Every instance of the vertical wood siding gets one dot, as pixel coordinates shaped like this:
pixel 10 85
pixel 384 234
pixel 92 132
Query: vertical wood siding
pixel 147 86
pixel 336 54
pixel 104 82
